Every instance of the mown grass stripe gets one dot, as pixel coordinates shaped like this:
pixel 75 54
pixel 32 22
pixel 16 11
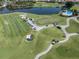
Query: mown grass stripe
pixel 12 34
pixel 15 26
pixel 24 24
pixel 20 25
pixel 7 26
pixel 4 28
pixel 2 35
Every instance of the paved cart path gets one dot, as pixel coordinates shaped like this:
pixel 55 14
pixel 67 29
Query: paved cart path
pixel 63 28
pixel 37 27
pixel 67 36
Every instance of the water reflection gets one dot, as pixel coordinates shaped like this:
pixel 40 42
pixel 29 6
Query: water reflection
pixel 32 10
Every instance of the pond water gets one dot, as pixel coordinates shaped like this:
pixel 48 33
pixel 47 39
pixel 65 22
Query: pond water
pixel 32 10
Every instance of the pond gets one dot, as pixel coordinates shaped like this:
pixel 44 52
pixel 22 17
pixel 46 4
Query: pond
pixel 40 11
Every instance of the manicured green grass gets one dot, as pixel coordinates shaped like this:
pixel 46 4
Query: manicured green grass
pixel 46 36
pixel 68 50
pixel 47 19
pixel 14 46
pixel 74 27
pixel 12 37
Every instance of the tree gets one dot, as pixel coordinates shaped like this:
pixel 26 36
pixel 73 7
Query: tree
pixel 69 4
pixel 75 13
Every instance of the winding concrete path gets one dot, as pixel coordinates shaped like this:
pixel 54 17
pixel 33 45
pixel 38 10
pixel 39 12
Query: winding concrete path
pixel 36 27
pixel 63 28
pixel 67 36
pixel 33 25
pixel 44 52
